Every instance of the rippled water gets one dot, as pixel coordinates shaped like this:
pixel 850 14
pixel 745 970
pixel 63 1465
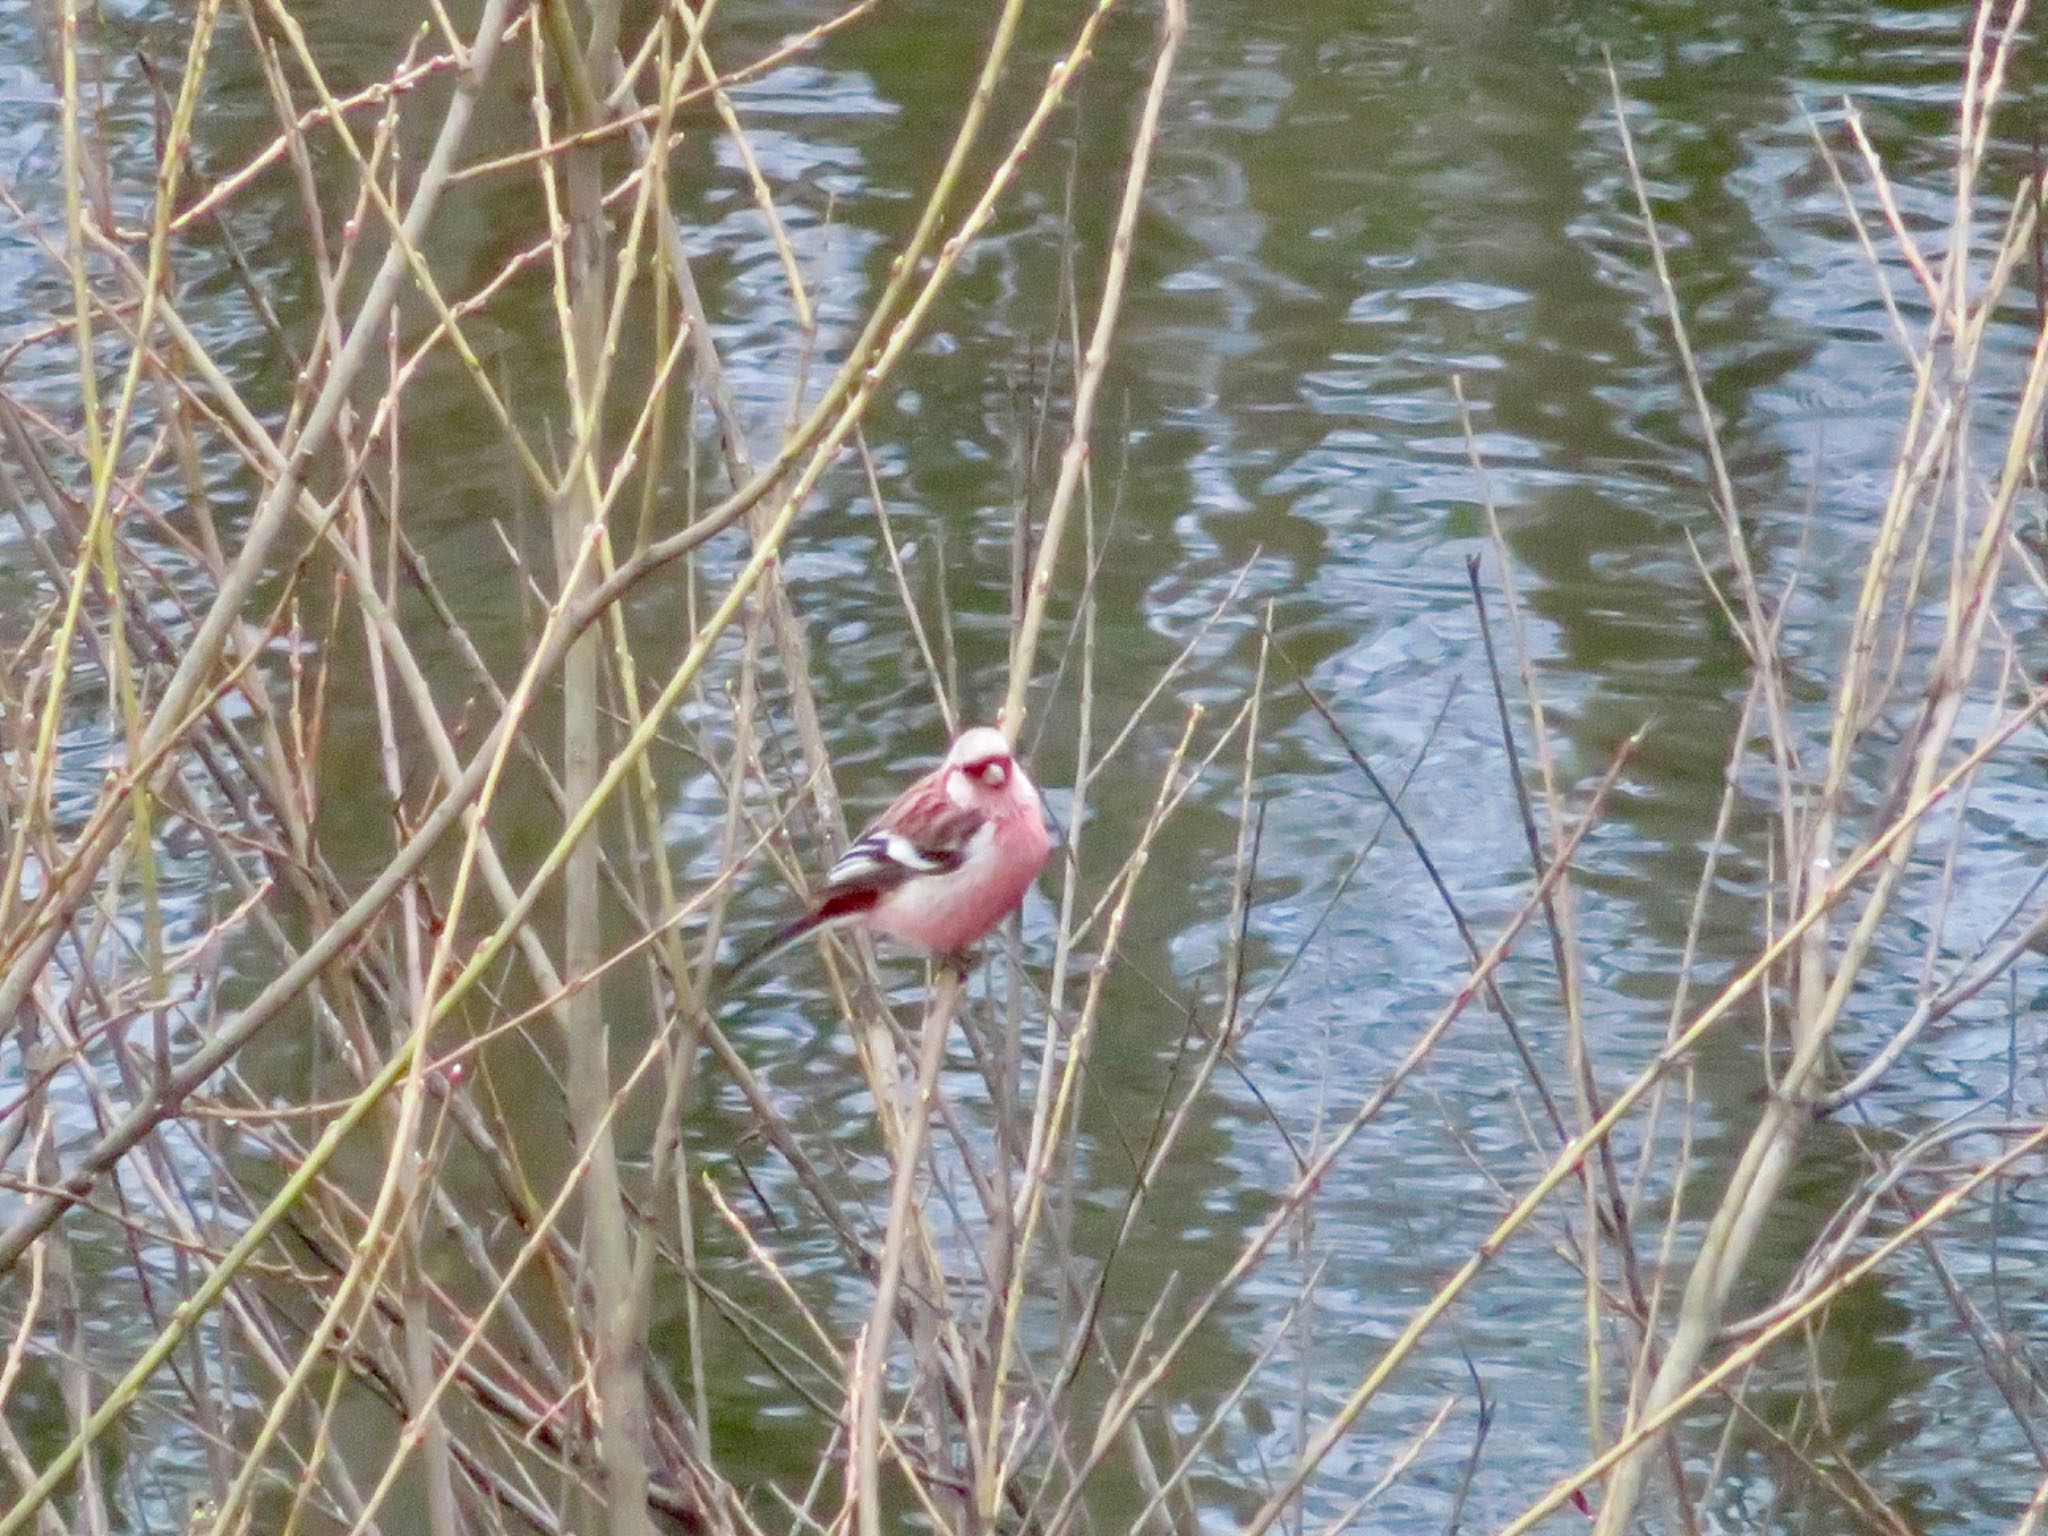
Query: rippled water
pixel 1354 204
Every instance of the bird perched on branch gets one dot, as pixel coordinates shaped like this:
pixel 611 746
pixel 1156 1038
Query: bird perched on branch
pixel 936 871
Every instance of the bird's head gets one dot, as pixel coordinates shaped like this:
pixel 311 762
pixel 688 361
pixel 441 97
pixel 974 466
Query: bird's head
pixel 981 774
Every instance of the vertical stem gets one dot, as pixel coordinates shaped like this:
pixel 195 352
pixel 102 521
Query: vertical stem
pixel 1094 363
pixel 865 1468
pixel 620 1396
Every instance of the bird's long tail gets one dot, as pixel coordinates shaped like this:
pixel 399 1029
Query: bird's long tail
pixel 831 914
pixel 781 939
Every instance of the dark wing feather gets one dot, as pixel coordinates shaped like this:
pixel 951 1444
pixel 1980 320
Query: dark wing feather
pixel 885 855
pixel 880 861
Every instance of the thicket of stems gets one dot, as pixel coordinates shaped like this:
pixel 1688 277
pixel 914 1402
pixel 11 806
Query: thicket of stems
pixel 394 1248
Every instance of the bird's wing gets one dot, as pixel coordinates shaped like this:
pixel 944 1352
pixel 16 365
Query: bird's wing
pixel 923 833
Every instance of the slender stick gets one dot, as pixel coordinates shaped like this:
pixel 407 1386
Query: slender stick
pixel 1074 458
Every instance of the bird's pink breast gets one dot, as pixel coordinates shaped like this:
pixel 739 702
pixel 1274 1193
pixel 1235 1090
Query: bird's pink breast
pixel 954 912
